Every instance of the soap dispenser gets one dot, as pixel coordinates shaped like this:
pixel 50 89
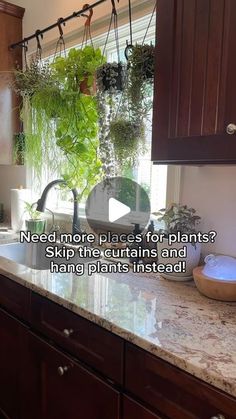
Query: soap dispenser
pixel 134 245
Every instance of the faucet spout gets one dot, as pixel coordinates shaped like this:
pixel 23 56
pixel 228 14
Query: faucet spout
pixel 41 204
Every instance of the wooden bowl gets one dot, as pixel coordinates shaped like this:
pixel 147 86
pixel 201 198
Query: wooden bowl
pixel 217 289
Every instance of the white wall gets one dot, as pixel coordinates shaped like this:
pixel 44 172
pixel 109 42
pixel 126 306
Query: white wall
pixel 211 190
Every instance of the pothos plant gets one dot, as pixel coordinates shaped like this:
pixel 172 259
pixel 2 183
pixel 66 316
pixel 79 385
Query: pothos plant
pixel 77 127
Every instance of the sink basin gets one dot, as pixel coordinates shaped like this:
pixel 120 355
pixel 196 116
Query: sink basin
pixel 33 256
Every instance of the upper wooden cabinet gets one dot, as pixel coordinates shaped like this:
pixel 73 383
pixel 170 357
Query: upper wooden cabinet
pixel 10 32
pixel 195 84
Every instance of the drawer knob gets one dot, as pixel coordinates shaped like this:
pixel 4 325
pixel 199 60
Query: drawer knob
pixel 231 129
pixel 68 332
pixel 62 370
pixel 219 416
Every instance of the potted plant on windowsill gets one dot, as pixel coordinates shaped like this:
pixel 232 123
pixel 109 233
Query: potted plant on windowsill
pixel 35 223
pixel 182 219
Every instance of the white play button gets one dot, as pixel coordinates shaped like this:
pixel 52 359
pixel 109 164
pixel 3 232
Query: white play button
pixel 117 210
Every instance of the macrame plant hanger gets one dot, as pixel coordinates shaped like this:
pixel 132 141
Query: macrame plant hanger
pixel 129 45
pixel 149 24
pixel 60 46
pixel 87 27
pixel 114 20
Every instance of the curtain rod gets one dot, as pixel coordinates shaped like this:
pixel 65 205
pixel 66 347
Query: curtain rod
pixel 24 42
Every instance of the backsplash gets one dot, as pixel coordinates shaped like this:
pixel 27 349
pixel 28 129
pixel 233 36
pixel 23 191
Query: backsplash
pixel 211 190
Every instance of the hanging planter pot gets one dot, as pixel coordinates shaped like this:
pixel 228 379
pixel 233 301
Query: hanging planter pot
pixel 111 77
pixel 127 137
pixel 142 63
pixel 86 88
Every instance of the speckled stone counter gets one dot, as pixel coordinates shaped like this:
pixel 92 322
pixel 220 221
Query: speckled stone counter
pixel 171 320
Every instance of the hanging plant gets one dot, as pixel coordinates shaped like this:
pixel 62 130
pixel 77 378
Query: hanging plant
pixel 62 122
pixel 76 72
pixel 128 140
pixel 33 78
pixel 77 127
pixel 111 77
pixel 33 83
pixel 141 75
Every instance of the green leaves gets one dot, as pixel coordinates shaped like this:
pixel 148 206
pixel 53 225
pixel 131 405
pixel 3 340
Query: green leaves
pixel 179 218
pixel 80 65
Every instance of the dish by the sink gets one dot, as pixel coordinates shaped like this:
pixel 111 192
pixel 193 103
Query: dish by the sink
pixel 33 255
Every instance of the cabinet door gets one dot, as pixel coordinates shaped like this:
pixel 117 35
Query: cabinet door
pixel 133 410
pixel 62 389
pixel 195 83
pixel 12 350
pixel 174 393
pixel 11 31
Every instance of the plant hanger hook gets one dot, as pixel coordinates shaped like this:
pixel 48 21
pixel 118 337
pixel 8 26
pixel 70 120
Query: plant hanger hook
pixel 61 22
pixel 25 48
pixel 87 25
pixel 61 42
pixel 38 35
pixel 113 3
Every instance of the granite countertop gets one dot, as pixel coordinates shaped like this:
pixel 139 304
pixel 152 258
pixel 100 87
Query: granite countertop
pixel 168 319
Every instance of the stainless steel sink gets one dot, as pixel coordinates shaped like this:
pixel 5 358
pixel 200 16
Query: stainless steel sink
pixel 33 256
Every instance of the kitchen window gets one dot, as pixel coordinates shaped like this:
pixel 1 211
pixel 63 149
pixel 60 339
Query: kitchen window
pixel 154 178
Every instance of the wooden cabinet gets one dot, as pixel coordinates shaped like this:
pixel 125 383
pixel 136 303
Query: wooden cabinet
pixel 134 410
pixel 171 391
pixel 47 373
pixel 10 32
pixel 90 343
pixel 14 298
pixel 63 389
pixel 195 82
pixel 13 338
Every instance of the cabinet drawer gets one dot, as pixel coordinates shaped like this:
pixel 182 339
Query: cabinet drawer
pixel 63 389
pixel 133 410
pixel 171 391
pixel 14 297
pixel 80 337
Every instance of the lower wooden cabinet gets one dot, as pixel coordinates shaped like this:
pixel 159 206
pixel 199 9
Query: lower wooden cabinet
pixel 134 410
pixel 42 377
pixel 63 389
pixel 13 338
pixel 172 392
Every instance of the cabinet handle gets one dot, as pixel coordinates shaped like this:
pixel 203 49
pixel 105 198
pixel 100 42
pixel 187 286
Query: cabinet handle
pixel 231 129
pixel 68 332
pixel 219 416
pixel 62 370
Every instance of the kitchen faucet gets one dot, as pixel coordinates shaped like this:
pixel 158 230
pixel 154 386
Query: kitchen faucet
pixel 42 203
